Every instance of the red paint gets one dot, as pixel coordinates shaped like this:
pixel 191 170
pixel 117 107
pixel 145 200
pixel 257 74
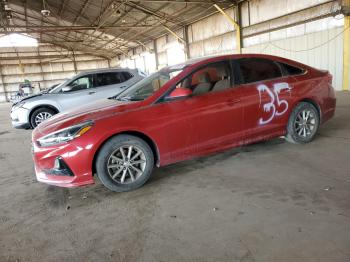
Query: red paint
pixel 181 128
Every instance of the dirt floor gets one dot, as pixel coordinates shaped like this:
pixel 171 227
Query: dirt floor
pixel 272 201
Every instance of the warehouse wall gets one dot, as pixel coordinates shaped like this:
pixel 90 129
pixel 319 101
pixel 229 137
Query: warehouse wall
pixel 306 31
pixel 318 43
pixel 54 66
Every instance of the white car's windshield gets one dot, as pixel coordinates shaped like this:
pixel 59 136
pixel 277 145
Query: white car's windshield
pixel 57 89
pixel 149 85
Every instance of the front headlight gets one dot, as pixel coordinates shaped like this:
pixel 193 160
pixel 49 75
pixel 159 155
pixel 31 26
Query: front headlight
pixel 65 135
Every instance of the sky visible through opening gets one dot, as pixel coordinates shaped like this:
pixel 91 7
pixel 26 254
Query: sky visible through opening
pixel 17 40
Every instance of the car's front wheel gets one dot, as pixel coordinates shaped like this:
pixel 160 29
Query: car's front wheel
pixel 124 163
pixel 303 123
pixel 40 115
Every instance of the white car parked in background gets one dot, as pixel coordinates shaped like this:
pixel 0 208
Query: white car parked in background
pixel 82 89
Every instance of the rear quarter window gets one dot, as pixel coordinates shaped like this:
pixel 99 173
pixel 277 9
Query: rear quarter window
pixel 126 76
pixel 291 70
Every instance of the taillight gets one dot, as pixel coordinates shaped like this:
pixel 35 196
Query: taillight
pixel 330 79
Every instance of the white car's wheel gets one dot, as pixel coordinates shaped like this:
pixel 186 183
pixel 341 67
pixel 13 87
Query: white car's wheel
pixel 40 115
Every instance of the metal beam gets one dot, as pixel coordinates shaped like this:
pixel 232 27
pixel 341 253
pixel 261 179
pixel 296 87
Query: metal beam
pixel 81 12
pixel 160 24
pixel 41 67
pixel 74 62
pixel 174 34
pixel 137 23
pixel 184 2
pixel 235 25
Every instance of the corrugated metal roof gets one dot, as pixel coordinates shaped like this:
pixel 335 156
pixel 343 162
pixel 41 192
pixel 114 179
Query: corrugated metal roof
pixel 104 27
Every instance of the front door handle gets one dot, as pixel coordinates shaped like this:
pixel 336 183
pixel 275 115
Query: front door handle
pixel 92 92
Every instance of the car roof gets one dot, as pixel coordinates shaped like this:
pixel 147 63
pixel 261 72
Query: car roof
pixel 106 70
pixel 212 58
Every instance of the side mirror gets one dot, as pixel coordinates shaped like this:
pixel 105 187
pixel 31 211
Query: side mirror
pixel 66 88
pixel 180 92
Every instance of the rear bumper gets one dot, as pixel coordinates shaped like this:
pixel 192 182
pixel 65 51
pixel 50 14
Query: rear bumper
pixel 328 110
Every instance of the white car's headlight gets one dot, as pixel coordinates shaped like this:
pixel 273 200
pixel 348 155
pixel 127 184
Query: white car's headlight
pixel 65 135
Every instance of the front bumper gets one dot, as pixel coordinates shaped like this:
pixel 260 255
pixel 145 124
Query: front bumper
pixel 20 118
pixel 77 165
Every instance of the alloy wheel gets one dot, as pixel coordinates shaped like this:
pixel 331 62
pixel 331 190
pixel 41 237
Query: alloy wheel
pixel 42 116
pixel 126 164
pixel 305 123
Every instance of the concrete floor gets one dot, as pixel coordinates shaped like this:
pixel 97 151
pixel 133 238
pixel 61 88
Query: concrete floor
pixel 272 201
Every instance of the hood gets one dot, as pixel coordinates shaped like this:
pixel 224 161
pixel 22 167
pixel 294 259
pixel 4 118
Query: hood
pixel 28 97
pixel 92 111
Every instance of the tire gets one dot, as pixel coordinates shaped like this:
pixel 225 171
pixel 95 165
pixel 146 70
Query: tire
pixel 111 164
pixel 303 123
pixel 44 112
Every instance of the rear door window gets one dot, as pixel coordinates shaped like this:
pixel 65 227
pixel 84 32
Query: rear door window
pixel 258 69
pixel 110 78
pixel 126 75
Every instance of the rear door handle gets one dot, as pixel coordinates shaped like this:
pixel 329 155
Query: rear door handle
pixel 122 86
pixel 92 92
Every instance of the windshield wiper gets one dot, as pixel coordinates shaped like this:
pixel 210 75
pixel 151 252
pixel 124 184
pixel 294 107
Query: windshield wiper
pixel 125 98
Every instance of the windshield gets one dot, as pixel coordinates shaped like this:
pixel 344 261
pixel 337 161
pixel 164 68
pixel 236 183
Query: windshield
pixel 57 88
pixel 149 85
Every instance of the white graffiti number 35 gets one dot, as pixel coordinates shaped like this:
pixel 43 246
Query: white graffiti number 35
pixel 276 106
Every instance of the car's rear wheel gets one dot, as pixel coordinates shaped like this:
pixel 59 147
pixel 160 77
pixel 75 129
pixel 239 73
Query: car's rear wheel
pixel 40 115
pixel 303 123
pixel 124 163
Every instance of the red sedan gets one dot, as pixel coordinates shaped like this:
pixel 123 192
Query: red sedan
pixel 181 112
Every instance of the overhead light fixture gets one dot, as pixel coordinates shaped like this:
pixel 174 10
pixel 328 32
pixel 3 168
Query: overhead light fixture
pixel 118 13
pixel 339 16
pixel 8 11
pixel 341 12
pixel 115 7
pixel 45 12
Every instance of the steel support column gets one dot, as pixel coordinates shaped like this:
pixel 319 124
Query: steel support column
pixel 3 84
pixel 75 63
pixel 235 24
pixel 346 49
pixel 155 48
pixel 187 44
